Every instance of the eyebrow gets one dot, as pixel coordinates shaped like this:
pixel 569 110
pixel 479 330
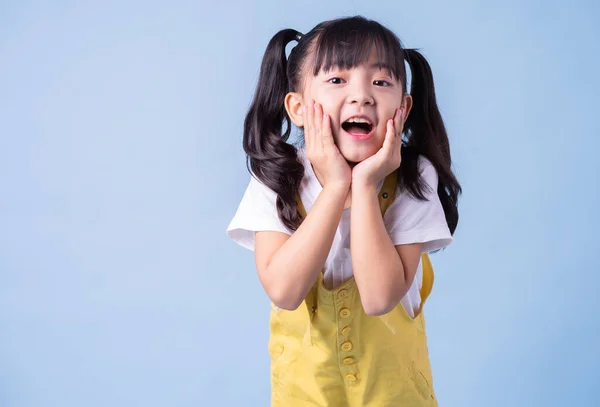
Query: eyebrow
pixel 381 66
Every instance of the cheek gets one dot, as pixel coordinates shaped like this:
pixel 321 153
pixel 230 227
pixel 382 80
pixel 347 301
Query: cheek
pixel 389 113
pixel 333 113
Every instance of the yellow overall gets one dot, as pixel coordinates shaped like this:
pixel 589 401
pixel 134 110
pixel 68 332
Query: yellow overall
pixel 329 352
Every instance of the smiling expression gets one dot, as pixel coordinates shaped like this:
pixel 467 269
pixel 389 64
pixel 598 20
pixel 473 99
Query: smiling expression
pixel 359 101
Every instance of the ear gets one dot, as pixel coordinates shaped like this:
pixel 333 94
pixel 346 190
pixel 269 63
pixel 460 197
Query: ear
pixel 407 103
pixel 293 106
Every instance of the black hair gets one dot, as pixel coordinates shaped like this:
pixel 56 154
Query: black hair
pixel 343 43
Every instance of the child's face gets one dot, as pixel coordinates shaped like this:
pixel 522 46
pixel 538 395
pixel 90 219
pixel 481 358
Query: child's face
pixel 365 91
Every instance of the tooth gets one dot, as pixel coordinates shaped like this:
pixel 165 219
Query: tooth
pixel 358 120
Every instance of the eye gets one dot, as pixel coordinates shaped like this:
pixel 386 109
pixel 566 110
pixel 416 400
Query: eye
pixel 381 83
pixel 336 81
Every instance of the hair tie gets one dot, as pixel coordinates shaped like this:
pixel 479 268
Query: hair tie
pixel 299 36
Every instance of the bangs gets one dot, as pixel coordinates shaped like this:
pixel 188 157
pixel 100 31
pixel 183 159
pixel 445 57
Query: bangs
pixel 348 43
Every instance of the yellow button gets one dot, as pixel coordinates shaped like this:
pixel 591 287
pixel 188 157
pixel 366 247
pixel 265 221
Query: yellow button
pixel 348 361
pixel 347 346
pixel 342 294
pixel 344 313
pixel 351 378
pixel 346 330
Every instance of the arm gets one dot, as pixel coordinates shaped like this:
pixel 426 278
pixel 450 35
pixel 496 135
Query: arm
pixel 289 265
pixel 383 272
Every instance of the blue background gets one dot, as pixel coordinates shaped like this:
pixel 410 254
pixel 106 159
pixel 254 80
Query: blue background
pixel 121 166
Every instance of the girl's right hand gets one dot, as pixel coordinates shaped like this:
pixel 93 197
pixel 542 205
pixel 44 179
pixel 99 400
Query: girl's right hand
pixel 321 150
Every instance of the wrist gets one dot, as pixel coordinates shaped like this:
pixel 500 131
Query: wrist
pixel 364 183
pixel 339 189
pixel 364 188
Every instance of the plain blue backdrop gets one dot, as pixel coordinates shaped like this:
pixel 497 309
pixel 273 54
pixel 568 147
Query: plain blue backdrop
pixel 121 166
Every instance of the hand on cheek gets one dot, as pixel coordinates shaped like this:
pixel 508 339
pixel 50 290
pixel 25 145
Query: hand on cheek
pixel 321 150
pixel 374 169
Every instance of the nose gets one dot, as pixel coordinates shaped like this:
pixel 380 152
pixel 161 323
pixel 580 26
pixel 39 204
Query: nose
pixel 360 94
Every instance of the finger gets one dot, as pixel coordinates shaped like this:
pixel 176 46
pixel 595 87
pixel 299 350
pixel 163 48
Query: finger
pixel 308 125
pixel 318 123
pixel 327 135
pixel 399 121
pixel 390 135
pixel 399 128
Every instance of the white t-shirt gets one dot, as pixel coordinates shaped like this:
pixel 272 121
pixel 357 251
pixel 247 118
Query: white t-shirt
pixel 407 220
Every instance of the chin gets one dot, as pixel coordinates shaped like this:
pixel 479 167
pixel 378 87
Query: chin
pixel 356 154
pixel 356 151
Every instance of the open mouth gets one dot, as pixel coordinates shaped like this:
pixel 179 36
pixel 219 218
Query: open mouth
pixel 360 128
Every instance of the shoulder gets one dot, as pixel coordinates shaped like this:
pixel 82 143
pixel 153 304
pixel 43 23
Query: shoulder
pixel 256 212
pixel 428 178
pixel 424 163
pixel 256 187
pixel 258 200
pixel 428 171
pixel 413 220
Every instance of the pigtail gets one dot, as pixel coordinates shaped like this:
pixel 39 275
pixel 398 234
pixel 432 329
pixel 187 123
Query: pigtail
pixel 270 158
pixel 427 136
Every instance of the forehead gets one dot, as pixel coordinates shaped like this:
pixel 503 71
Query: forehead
pixel 373 63
pixel 356 48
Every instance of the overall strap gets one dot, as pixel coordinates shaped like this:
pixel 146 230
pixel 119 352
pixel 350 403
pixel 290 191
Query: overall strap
pixel 388 192
pixel 386 196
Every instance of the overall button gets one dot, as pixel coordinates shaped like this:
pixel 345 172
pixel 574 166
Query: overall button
pixel 342 294
pixel 348 361
pixel 346 331
pixel 347 346
pixel 351 378
pixel 344 313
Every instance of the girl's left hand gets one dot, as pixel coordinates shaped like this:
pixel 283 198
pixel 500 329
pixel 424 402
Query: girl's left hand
pixel 374 169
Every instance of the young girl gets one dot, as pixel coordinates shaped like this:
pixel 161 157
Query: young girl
pixel 341 228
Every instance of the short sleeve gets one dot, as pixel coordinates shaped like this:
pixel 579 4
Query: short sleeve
pixel 257 211
pixel 410 220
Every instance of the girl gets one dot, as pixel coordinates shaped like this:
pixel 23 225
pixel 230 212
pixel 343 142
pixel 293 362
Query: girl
pixel 341 228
